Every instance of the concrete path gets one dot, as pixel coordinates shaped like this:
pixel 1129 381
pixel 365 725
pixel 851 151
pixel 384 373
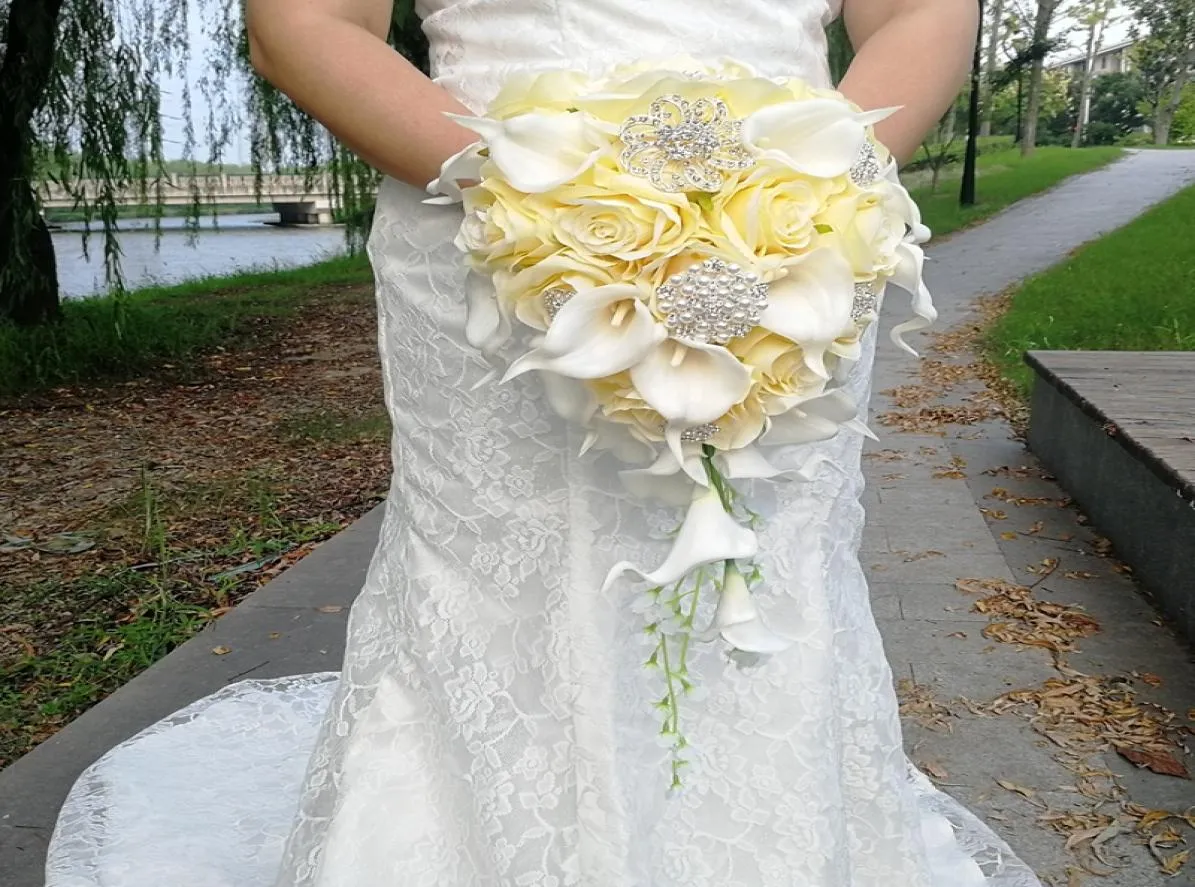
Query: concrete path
pixel 927 530
pixel 925 533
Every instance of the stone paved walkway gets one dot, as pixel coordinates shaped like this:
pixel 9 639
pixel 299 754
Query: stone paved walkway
pixel 925 533
pixel 932 634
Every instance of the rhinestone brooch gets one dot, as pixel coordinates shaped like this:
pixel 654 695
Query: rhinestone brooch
pixel 554 300
pixel 681 145
pixel 713 302
pixel 867 168
pixel 866 300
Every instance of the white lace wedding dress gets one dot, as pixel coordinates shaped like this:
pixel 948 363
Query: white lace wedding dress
pixel 494 721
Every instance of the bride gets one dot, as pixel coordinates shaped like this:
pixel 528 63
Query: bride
pixel 494 722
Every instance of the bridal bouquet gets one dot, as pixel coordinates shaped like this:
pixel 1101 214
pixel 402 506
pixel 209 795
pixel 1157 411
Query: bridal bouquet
pixel 689 259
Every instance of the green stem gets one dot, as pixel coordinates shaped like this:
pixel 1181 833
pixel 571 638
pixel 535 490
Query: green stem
pixel 689 617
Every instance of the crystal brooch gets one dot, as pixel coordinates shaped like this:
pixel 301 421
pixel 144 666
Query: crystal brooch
pixel 867 167
pixel 555 298
pixel 681 145
pixel 712 302
pixel 866 300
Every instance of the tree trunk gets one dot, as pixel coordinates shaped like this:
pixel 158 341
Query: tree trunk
pixel 1085 83
pixel 1041 33
pixel 1032 109
pixel 989 68
pixel 28 274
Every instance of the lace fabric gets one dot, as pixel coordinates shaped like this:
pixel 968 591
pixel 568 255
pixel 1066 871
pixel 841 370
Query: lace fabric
pixel 494 722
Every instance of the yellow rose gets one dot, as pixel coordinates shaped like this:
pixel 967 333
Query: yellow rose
pixel 613 215
pixel 620 402
pixel 865 226
pixel 771 212
pixel 741 425
pixel 778 368
pixel 504 227
pixel 522 289
pixel 528 91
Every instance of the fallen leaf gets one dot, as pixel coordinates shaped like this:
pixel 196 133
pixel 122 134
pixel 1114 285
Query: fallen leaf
pixel 221 650
pixel 1019 789
pixel 1009 535
pixel 1172 865
pixel 961 635
pixel 936 771
pixel 331 609
pixel 1156 760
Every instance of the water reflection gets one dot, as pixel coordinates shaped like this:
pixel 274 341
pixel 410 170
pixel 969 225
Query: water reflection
pixel 239 242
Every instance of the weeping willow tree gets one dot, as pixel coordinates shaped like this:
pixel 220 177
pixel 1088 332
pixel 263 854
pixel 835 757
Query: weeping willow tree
pixel 81 103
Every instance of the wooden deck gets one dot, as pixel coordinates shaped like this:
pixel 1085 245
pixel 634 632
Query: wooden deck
pixel 1118 431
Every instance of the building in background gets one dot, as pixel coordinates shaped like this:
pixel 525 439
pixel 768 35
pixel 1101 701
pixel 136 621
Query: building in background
pixel 1113 59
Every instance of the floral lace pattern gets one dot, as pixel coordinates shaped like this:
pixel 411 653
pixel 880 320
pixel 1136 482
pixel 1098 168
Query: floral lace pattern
pixel 494 725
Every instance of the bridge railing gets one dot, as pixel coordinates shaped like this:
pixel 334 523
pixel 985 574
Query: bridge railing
pixel 291 187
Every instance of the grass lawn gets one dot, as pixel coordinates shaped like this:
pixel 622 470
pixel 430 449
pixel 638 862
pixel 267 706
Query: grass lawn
pixel 1004 178
pixel 110 338
pixel 1132 290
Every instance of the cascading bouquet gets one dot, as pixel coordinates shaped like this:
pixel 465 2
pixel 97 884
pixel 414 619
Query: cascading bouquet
pixel 689 256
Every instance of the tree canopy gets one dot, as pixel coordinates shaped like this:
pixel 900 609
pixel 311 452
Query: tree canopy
pixel 1164 54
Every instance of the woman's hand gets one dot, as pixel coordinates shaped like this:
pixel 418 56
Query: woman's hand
pixel 331 57
pixel 912 53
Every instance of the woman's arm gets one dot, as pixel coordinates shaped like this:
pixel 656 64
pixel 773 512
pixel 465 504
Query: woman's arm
pixel 912 53
pixel 332 58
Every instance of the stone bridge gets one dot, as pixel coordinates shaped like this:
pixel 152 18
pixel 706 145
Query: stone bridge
pixel 298 199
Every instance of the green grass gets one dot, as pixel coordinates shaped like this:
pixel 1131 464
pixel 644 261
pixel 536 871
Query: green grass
pixel 120 337
pixel 95 633
pixel 95 656
pixel 1132 290
pixel 1004 178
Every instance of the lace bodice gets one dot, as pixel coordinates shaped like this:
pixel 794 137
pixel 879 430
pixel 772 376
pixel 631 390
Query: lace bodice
pixel 475 42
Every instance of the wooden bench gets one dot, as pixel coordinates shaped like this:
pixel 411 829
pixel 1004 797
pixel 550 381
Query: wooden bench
pixel 1117 428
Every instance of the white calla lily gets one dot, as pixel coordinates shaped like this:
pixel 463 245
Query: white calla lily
pixel 690 383
pixel 463 166
pixel 819 418
pixel 664 479
pixel 908 276
pixel 708 535
pixel 810 303
pixel 538 152
pixel 737 620
pixel 596 333
pixel 818 137
pixel 487 327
